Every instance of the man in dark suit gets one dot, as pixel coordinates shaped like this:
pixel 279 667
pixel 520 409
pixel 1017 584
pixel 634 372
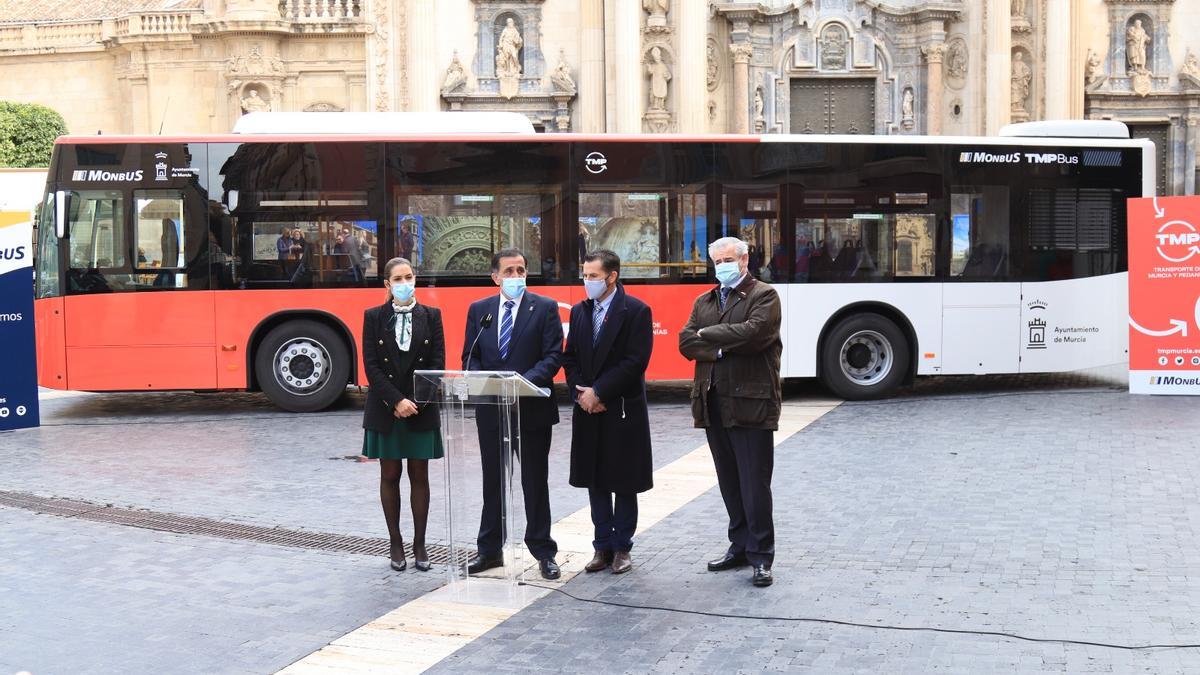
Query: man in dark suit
pixel 608 350
pixel 733 336
pixel 525 336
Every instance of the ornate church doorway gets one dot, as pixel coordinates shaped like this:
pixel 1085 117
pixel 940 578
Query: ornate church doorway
pixel 832 106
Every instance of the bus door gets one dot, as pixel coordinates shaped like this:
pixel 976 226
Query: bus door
pixel 981 304
pixel 131 321
pixel 48 308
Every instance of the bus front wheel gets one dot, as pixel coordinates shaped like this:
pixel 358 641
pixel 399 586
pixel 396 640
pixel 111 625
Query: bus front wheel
pixel 865 356
pixel 302 366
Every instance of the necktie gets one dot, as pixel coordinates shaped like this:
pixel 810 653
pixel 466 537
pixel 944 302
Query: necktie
pixel 506 325
pixel 597 323
pixel 725 291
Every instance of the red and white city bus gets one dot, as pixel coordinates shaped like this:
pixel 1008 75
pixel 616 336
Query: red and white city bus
pixel 245 261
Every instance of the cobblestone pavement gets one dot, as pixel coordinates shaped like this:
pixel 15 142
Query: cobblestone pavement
pixel 1060 515
pixel 1045 506
pixel 79 596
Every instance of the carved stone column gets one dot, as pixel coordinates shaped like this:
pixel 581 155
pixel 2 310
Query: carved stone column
pixel 423 72
pixel 691 68
pixel 356 98
pixel 1060 44
pixel 998 55
pixel 289 98
pixel 935 55
pixel 741 87
pixel 628 76
pixel 591 68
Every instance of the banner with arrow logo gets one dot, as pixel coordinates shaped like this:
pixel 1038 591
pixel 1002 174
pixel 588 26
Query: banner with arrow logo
pixel 1164 295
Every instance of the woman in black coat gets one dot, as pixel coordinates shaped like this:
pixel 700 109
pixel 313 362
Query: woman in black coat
pixel 400 337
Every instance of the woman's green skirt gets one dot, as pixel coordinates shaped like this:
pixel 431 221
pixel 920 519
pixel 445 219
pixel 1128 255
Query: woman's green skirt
pixel 402 443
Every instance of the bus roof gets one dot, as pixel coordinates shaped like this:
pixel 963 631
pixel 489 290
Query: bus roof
pixel 1066 129
pixel 106 139
pixel 357 123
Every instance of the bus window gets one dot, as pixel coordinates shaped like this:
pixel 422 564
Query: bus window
pixel 160 237
pixel 455 235
pixel 979 217
pixel 752 215
pixel 47 260
pixel 657 233
pixel 857 235
pixel 97 240
pixel 1074 232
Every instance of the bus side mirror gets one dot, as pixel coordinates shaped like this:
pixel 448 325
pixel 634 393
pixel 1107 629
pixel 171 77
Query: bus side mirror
pixel 60 213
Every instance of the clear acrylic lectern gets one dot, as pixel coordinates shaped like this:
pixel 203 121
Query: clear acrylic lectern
pixel 460 394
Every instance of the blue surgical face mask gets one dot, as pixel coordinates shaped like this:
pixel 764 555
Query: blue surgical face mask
pixel 403 292
pixel 595 288
pixel 728 272
pixel 513 287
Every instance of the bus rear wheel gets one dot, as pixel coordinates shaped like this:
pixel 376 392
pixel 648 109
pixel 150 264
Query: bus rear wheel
pixel 302 366
pixel 865 356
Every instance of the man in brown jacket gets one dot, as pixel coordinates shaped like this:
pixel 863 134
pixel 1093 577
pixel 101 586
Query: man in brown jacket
pixel 733 336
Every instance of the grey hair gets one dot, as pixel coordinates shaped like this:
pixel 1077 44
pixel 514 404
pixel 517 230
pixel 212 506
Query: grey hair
pixel 740 246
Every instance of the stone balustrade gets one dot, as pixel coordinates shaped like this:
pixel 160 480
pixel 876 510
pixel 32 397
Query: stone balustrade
pixel 320 10
pixel 67 34
pixel 156 23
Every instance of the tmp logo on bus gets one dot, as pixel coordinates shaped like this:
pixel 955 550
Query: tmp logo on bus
pixel 977 157
pixel 595 162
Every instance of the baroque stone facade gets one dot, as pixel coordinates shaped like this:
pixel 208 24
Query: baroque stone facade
pixel 962 67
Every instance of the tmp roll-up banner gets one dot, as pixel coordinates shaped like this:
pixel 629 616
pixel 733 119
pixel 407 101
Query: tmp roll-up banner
pixel 18 360
pixel 1164 295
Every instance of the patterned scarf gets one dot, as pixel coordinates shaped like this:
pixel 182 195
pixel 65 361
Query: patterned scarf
pixel 403 316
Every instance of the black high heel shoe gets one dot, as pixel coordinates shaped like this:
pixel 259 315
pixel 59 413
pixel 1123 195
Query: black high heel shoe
pixel 421 565
pixel 401 564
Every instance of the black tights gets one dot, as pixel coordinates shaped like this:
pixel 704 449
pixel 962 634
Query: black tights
pixel 389 494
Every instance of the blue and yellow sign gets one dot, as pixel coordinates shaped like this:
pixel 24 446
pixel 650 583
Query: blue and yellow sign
pixel 18 384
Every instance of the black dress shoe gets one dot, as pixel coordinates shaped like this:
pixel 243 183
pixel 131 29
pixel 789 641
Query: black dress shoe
pixel 549 569
pixel 729 562
pixel 762 576
pixel 482 563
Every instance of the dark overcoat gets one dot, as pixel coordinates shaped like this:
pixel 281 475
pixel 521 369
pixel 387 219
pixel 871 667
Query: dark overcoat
pixel 390 371
pixel 611 450
pixel 737 350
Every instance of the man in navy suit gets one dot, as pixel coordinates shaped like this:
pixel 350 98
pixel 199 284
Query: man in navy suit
pixel 608 351
pixel 525 336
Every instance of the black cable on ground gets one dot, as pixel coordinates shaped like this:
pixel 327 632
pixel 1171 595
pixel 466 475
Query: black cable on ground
pixel 854 624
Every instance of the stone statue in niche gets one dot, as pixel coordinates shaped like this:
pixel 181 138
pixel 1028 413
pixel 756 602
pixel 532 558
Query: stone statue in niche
pixel 508 51
pixel 657 21
pixel 833 48
pixel 1021 80
pixel 508 59
pixel 1136 40
pixel 456 76
pixel 1020 18
pixel 253 102
pixel 712 74
pixel 956 62
pixel 1093 71
pixel 660 78
pixel 907 113
pixel 561 78
pixel 760 122
pixel 1018 8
